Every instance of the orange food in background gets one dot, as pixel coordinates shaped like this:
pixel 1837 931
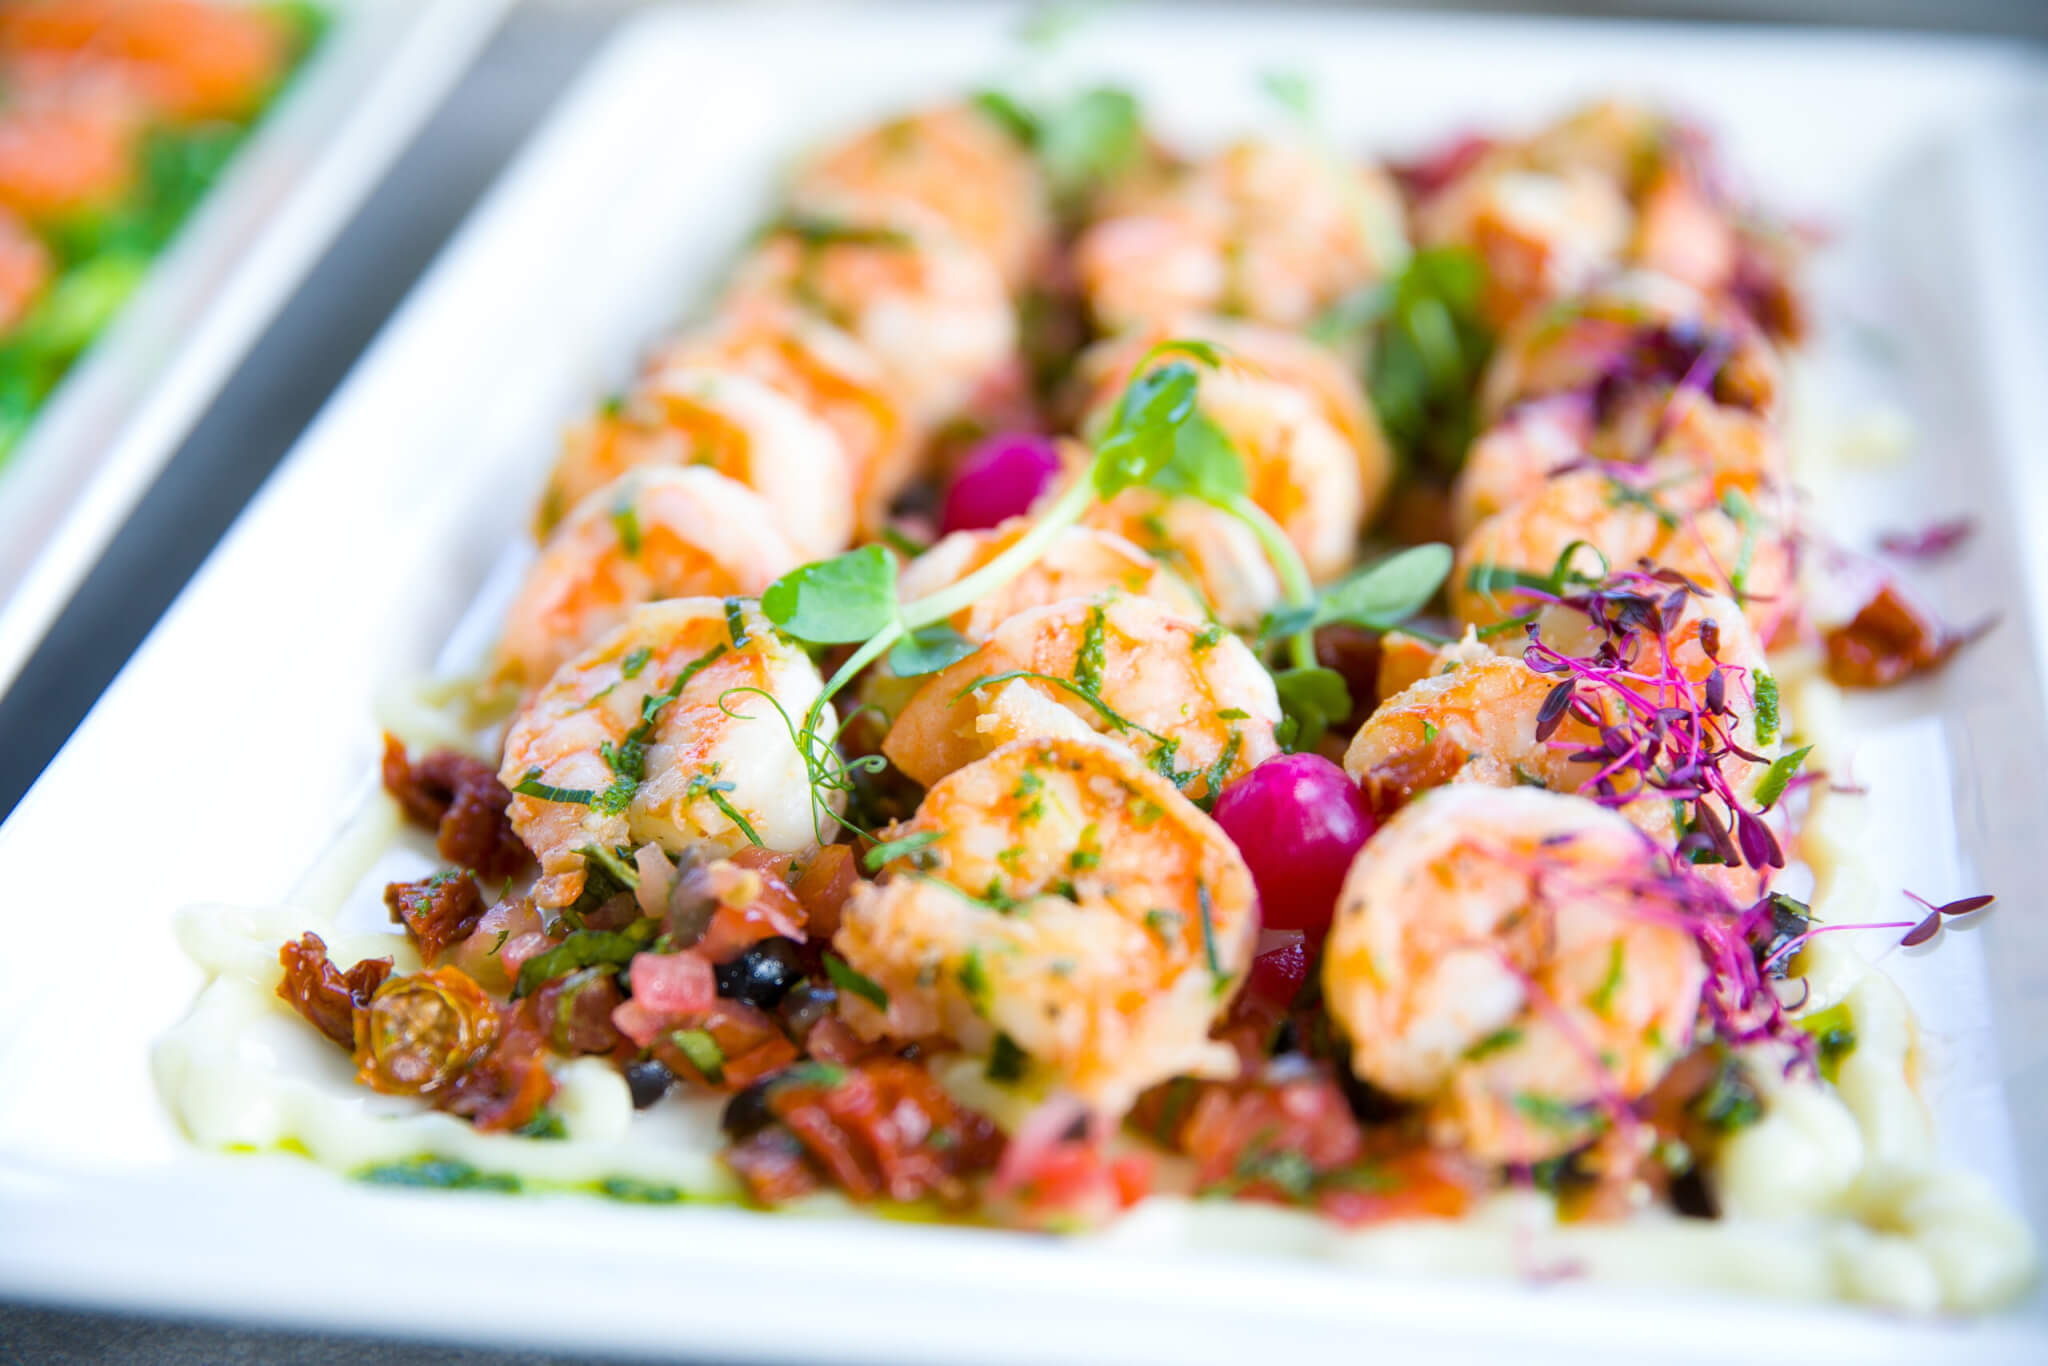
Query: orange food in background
pixel 24 270
pixel 188 61
pixel 68 142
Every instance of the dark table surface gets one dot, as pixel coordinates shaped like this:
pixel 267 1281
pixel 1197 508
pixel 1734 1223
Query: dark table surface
pixel 300 360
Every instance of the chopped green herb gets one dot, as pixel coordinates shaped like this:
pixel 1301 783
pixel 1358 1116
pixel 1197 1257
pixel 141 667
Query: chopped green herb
pixel 1209 934
pixel 1089 660
pixel 703 1052
pixel 1498 1041
pixel 635 661
pixel 736 621
pixel 437 1173
pixel 973 979
pixel 634 1191
pixel 1549 1112
pixel 627 522
pixel 546 1124
pixel 1766 709
pixel 584 949
pixel 1737 505
pixel 532 786
pixel 1731 1102
pixel 1602 999
pixel 1007 1061
pixel 847 979
pixel 895 849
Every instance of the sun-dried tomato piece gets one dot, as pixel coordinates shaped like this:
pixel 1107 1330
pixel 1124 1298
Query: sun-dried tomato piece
pixel 883 1128
pixel 1300 1142
pixel 1889 639
pixel 774 1165
pixel 511 1083
pixel 577 1010
pixel 824 887
pixel 461 800
pixel 423 1031
pixel 436 911
pixel 325 995
pixel 1389 784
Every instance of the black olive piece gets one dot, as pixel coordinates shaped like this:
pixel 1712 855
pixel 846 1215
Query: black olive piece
pixel 747 1113
pixel 648 1080
pixel 763 974
pixel 1692 1196
pixel 805 1005
pixel 1368 1103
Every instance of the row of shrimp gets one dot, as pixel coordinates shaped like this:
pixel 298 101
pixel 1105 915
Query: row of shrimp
pixel 1061 884
pixel 1527 963
pixel 878 307
pixel 1518 962
pixel 1106 694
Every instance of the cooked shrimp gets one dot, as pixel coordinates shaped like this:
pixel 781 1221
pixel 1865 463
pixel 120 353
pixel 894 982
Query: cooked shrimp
pixel 1475 717
pixel 831 376
pixel 730 422
pixel 1189 697
pixel 1541 234
pixel 1274 231
pixel 1314 458
pixel 1205 546
pixel 957 162
pixel 1082 563
pixel 656 532
pixel 1060 894
pixel 1518 961
pixel 715 769
pixel 1668 517
pixel 1541 437
pixel 1637 332
pixel 931 308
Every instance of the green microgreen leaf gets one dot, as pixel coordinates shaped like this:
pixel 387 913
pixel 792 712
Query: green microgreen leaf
pixel 850 597
pixel 929 650
pixel 1311 701
pixel 1772 785
pixel 1292 91
pixel 1430 349
pixel 1089 140
pixel 1383 595
pixel 1143 430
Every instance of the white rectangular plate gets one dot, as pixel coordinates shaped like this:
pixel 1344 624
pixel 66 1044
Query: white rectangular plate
pixel 241 736
pixel 121 412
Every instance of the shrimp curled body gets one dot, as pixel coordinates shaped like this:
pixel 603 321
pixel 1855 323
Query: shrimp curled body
pixel 656 532
pixel 1516 961
pixel 715 769
pixel 1059 893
